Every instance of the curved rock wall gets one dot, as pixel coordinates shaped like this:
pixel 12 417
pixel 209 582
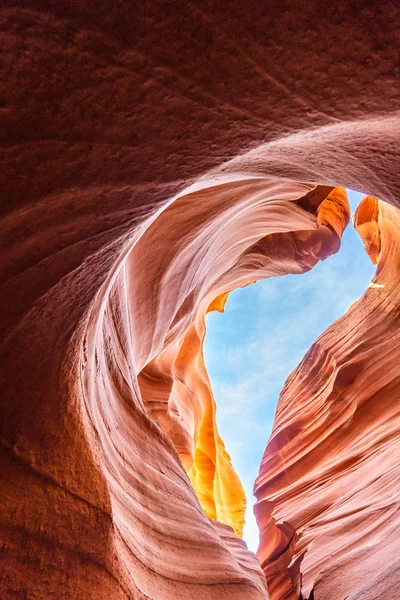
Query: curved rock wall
pixel 150 162
pixel 249 230
pixel 329 475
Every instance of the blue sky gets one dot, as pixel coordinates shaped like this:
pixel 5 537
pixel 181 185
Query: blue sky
pixel 262 336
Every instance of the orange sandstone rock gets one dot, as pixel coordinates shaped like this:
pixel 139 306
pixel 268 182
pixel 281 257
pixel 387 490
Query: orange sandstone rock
pixel 334 211
pixel 218 303
pixel 366 223
pixel 152 160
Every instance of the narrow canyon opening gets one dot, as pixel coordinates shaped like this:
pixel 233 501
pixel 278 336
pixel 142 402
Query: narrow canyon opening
pixel 265 331
pixel 146 334
pixel 154 159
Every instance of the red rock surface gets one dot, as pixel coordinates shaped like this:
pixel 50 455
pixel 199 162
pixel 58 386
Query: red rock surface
pixel 109 261
pixel 327 489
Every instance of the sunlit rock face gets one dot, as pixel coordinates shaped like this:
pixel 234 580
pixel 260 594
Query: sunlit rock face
pixel 328 483
pixel 249 229
pixel 152 161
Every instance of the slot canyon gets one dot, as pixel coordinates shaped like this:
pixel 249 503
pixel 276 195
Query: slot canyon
pixel 156 156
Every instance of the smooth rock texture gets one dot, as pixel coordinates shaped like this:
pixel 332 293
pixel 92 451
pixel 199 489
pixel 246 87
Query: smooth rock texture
pixel 327 489
pixel 155 157
pixel 174 385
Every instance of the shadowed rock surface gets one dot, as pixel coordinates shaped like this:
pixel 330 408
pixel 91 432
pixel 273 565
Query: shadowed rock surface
pixel 154 157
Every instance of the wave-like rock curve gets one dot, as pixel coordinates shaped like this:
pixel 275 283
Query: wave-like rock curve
pixel 152 160
pixel 326 499
pixel 204 244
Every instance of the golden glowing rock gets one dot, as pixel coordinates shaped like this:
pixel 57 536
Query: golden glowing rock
pixel 334 211
pixel 153 160
pixel 188 411
pixel 218 303
pixel 366 224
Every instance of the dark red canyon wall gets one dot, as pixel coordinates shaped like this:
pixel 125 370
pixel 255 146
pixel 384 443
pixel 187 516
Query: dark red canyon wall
pixel 155 156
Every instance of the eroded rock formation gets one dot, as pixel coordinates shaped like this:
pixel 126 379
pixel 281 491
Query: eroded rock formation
pixel 152 160
pixel 327 488
pixel 281 237
pixel 174 385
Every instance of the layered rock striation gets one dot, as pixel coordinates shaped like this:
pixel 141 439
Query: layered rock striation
pixel 326 491
pixel 173 388
pixel 152 160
